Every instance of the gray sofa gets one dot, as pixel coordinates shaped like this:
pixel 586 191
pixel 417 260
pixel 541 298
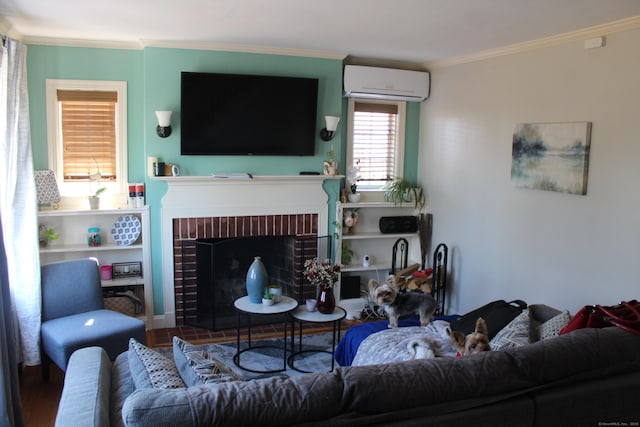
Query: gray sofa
pixel 583 378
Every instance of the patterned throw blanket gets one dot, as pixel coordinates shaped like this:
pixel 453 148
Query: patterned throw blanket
pixel 401 344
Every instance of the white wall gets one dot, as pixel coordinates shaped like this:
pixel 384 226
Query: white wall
pixel 544 247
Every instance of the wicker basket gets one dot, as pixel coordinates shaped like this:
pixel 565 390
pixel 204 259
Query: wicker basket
pixel 122 304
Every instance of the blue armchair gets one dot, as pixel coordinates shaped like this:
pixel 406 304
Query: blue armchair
pixel 73 315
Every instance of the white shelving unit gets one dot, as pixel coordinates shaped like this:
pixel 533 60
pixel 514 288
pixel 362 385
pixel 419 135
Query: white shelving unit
pixel 366 239
pixel 72 227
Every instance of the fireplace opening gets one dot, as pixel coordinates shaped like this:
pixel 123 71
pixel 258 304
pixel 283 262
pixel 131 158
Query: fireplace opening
pixel 221 266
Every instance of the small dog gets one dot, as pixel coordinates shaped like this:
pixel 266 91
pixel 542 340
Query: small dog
pixel 397 304
pixel 474 343
pixel 421 348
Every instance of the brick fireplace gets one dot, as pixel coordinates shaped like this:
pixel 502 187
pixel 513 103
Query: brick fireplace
pixel 301 229
pixel 208 208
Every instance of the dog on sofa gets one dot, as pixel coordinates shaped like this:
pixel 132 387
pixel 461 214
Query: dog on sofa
pixel 474 343
pixel 397 304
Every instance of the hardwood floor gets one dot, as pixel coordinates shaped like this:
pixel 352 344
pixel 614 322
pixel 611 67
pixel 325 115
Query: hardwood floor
pixel 40 399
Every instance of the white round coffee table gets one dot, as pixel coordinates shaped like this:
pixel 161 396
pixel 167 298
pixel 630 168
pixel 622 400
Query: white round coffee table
pixel 301 315
pixel 244 306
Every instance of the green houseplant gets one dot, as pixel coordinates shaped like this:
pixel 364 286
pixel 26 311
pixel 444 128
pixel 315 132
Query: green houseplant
pixel 47 234
pixel 401 190
pixel 347 254
pixel 94 197
pixel 267 299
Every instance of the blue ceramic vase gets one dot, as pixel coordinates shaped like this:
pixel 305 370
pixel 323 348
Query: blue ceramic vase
pixel 257 279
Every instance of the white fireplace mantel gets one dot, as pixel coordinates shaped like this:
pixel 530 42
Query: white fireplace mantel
pixel 209 196
pixel 190 196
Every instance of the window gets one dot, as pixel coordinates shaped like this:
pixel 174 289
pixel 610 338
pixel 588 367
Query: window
pixel 86 123
pixel 376 141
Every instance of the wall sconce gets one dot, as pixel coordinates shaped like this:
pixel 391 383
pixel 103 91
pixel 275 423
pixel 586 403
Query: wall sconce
pixel 331 125
pixel 164 123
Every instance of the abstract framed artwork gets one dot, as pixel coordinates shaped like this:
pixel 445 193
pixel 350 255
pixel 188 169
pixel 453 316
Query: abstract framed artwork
pixel 551 156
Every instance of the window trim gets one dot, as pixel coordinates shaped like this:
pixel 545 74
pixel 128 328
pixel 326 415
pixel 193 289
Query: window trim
pixel 400 137
pixel 53 130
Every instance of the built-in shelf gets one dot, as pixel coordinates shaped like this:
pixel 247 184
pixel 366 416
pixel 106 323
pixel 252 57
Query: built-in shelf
pixel 125 281
pixel 374 235
pixel 84 212
pixel 352 268
pixel 366 238
pixel 72 226
pixel 377 205
pixel 55 248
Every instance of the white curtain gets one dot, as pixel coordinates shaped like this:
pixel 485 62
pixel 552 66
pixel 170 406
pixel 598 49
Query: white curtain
pixel 18 206
pixel 10 405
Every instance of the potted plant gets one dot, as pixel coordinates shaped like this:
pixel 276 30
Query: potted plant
pixel 352 179
pixel 347 254
pixel 47 234
pixel 267 298
pixel 94 199
pixel 401 191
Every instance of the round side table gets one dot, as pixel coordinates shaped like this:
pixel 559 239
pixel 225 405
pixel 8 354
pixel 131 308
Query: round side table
pixel 301 315
pixel 244 306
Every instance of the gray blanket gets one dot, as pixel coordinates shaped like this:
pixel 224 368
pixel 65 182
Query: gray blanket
pixel 401 344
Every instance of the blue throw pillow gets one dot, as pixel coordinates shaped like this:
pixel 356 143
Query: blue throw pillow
pixel 150 369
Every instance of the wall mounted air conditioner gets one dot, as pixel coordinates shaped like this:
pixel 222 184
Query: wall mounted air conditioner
pixel 385 83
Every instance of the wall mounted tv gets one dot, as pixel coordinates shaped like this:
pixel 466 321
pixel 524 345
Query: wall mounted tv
pixel 237 114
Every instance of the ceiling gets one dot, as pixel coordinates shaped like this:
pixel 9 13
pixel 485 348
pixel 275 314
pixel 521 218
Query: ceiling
pixel 416 31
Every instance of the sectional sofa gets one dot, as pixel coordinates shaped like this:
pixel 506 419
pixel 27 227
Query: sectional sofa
pixel 583 378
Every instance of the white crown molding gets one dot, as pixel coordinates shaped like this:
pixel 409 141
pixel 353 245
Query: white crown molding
pixel 598 30
pixel 100 44
pixel 228 47
pixel 196 45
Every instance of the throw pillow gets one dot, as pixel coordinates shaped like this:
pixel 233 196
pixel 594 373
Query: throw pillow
pixel 151 369
pixel 197 366
pixel 553 326
pixel 515 334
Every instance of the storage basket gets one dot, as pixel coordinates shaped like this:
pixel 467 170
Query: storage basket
pixel 122 304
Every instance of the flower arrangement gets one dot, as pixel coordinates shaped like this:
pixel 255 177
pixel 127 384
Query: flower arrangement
pixel 353 176
pixel 321 273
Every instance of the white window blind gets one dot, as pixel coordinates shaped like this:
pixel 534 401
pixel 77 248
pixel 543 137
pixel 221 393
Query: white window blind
pixel 375 128
pixel 88 131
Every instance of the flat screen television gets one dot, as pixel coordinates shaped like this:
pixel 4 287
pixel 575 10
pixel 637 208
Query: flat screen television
pixel 238 114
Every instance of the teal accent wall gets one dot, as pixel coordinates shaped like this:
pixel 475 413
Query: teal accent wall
pixel 54 62
pixel 153 83
pixel 412 141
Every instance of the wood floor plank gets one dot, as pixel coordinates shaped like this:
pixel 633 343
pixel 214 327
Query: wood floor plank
pixel 40 398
